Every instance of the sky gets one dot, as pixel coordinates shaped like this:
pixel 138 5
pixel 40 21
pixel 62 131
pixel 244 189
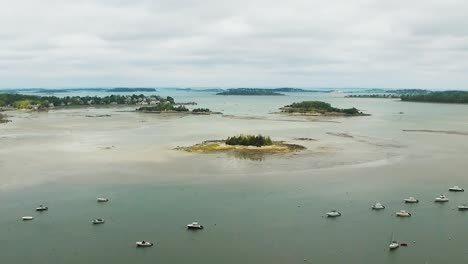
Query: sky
pixel 226 43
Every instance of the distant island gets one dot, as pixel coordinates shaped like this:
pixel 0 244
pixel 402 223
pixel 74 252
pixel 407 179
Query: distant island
pixel 299 90
pixel 249 91
pixel 388 96
pixel 317 108
pixel 214 90
pixel 265 91
pixel 130 90
pixel 34 102
pixel 168 107
pixel 389 91
pixel 245 144
pixel 454 97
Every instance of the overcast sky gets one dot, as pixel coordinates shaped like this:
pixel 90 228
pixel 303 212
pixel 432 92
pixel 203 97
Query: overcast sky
pixel 227 43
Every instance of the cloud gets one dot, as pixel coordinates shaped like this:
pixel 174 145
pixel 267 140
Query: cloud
pixel 333 43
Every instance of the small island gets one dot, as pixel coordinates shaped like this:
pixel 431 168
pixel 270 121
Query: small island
pixel 452 97
pixel 317 108
pixel 130 90
pixel 250 91
pixel 244 144
pixel 168 107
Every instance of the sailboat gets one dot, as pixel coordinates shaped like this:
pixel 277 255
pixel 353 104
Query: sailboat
pixel 393 244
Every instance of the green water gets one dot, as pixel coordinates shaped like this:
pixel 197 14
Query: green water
pixel 267 211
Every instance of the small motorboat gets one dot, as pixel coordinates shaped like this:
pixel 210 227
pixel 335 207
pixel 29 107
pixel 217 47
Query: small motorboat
pixel 144 244
pixel 27 218
pixel 403 213
pixel 333 213
pixel 98 221
pixel 441 199
pixel 463 207
pixel 102 200
pixel 456 189
pixel 42 208
pixel 378 206
pixel 411 199
pixel 194 225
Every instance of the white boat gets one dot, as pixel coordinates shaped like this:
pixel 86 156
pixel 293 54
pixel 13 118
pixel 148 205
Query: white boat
pixel 411 199
pixel 194 225
pixel 42 208
pixel 27 218
pixel 441 199
pixel 456 189
pixel 378 206
pixel 403 213
pixel 102 200
pixel 463 207
pixel 394 245
pixel 98 221
pixel 333 213
pixel 144 244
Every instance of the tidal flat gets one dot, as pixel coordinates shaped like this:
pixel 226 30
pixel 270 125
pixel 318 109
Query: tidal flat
pixel 262 210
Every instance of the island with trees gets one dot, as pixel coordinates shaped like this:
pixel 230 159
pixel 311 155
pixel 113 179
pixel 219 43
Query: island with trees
pixel 130 90
pixel 386 94
pixel 318 108
pixel 454 97
pixel 245 144
pixel 174 108
pixel 34 102
pixel 383 95
pixel 250 91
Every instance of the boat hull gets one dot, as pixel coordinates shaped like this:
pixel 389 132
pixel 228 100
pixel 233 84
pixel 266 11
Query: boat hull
pixel 194 227
pixel 139 244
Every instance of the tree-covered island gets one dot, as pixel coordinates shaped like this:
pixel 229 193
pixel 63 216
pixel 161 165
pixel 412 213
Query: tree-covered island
pixel 249 91
pixel 21 101
pixel 454 97
pixel 383 95
pixel 245 144
pixel 317 108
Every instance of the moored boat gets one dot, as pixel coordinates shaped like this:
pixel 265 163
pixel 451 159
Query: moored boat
pixel 393 244
pixel 463 207
pixel 144 244
pixel 42 208
pixel 411 199
pixel 403 213
pixel 456 188
pixel 194 225
pixel 333 213
pixel 27 218
pixel 98 221
pixel 378 206
pixel 441 199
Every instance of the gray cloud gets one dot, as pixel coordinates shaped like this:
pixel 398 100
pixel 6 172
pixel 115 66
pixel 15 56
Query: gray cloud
pixel 333 43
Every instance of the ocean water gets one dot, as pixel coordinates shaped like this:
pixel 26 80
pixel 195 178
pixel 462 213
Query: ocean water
pixel 254 211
